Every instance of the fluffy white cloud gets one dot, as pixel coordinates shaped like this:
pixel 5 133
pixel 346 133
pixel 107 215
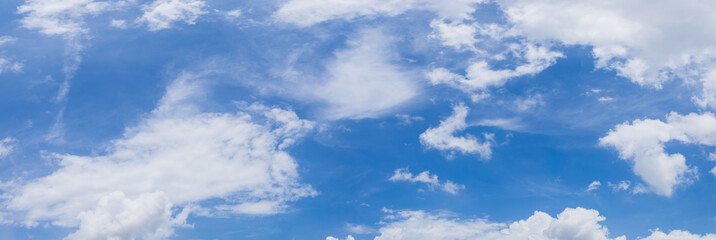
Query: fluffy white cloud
pixel 649 47
pixel 454 34
pixel 572 223
pixel 149 216
pixel 442 137
pixel 480 75
pixel 431 180
pixel 176 156
pixel 642 143
pixel 59 17
pixel 679 235
pixel 6 146
pixel 309 12
pixel 161 14
pixel 362 81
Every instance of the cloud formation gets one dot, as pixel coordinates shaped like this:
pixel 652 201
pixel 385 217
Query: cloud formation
pixel 6 146
pixel 572 223
pixel 431 180
pixel 177 156
pixel 162 14
pixel 443 137
pixel 641 142
pixel 362 81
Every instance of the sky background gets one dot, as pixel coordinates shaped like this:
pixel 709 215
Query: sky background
pixel 406 119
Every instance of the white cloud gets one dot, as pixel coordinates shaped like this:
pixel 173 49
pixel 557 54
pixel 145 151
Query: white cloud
pixel 594 186
pixel 6 146
pixel 121 24
pixel 162 14
pixel 362 82
pixel 621 186
pixel 572 223
pixel 61 17
pixel 442 137
pixel 605 99
pixel 407 119
pixel 648 47
pixel 349 237
pixel 9 65
pixel 529 103
pixel 7 40
pixel 176 153
pixel 359 229
pixel 513 124
pixel 431 180
pixel 454 34
pixel 480 75
pixel 308 12
pixel 642 143
pixel 679 235
pixel 149 216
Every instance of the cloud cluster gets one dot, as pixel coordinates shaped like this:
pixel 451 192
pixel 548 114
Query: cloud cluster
pixel 641 142
pixel 162 14
pixel 177 156
pixel 443 137
pixel 431 180
pixel 649 47
pixel 572 223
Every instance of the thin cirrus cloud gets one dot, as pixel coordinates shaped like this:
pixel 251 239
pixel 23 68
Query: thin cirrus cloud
pixel 443 136
pixel 641 142
pixel 175 158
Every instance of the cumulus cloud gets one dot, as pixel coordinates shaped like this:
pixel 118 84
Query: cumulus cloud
pixel 481 76
pixel 61 17
pixel 647 47
pixel 443 137
pixel 431 180
pixel 362 81
pixel 308 12
pixel 6 146
pixel 572 223
pixel 641 142
pixel 679 235
pixel 176 156
pixel 149 216
pixel 162 14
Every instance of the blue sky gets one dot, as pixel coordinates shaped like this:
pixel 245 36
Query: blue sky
pixel 317 119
